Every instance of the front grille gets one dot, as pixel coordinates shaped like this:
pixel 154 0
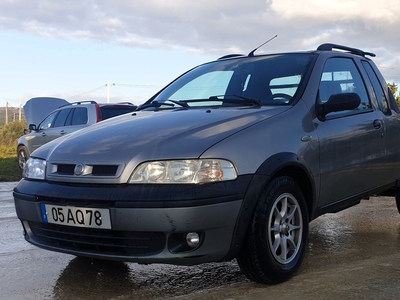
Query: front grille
pixel 104 170
pixel 96 170
pixel 99 241
pixel 65 169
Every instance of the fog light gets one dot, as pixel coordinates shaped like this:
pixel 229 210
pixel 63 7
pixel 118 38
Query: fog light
pixel 183 242
pixel 192 239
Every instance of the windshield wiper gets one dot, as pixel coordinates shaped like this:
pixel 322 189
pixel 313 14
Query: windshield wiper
pixel 242 100
pixel 158 104
pixel 225 99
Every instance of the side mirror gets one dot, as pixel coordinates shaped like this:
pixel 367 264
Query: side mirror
pixel 338 102
pixel 32 127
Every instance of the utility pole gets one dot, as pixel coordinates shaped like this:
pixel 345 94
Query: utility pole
pixel 6 112
pixel 108 92
pixel 20 109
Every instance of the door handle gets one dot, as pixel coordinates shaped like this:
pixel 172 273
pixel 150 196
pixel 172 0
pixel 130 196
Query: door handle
pixel 377 124
pixel 62 132
pixel 307 138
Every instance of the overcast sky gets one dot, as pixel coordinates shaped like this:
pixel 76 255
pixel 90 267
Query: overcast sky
pixel 73 49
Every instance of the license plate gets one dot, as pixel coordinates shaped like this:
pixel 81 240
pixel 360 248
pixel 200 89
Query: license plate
pixel 76 216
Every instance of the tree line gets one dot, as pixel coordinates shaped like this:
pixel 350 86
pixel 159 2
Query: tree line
pixel 10 133
pixel 395 91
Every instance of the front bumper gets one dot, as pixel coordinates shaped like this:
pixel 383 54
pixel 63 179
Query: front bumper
pixel 145 228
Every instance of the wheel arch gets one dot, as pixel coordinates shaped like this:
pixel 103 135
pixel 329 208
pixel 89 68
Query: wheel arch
pixel 283 164
pixel 290 164
pixel 22 143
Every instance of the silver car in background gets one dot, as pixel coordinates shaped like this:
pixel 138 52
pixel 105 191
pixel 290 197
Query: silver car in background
pixel 63 120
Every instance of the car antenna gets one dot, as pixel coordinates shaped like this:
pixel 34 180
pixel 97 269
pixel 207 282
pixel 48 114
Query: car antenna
pixel 252 52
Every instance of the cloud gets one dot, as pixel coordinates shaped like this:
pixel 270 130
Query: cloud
pixel 214 27
pixel 201 24
pixel 190 24
pixel 339 10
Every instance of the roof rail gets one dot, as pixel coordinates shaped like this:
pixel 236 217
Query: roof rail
pixel 129 103
pixel 80 102
pixel 330 47
pixel 230 55
pixel 85 101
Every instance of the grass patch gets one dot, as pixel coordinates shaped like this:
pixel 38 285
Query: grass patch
pixel 9 170
pixel 9 135
pixel 7 152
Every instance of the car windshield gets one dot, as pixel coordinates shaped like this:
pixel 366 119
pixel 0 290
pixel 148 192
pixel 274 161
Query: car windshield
pixel 244 81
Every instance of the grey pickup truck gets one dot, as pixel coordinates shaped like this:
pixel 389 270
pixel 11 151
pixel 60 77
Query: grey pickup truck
pixel 233 159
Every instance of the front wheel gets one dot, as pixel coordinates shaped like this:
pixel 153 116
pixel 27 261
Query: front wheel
pixel 23 156
pixel 275 246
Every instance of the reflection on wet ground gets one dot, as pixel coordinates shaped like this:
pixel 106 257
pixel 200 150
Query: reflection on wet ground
pixel 94 279
pixel 335 239
pixel 351 254
pixel 357 233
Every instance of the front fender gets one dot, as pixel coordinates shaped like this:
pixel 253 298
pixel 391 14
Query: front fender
pixel 288 164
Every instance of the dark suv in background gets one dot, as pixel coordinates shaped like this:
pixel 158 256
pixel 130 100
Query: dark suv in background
pixel 64 120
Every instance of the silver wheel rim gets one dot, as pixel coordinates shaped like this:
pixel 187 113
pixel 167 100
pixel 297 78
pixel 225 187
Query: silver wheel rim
pixel 21 159
pixel 285 228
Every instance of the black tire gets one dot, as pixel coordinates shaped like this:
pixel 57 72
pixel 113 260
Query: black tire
pixel 23 156
pixel 278 237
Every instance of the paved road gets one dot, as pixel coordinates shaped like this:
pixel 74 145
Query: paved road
pixel 354 254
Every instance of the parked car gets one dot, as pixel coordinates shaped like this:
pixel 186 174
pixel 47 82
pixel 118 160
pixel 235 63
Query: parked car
pixel 66 119
pixel 231 160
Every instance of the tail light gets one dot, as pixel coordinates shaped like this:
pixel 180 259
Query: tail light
pixel 98 113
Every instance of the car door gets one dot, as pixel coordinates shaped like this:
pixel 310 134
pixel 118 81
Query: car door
pixel 352 143
pixel 57 129
pixel 43 133
pixel 77 119
pixel 390 110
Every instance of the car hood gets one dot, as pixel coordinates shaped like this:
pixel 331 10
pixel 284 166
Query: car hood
pixel 153 135
pixel 36 109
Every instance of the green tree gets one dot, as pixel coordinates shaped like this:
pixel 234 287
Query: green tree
pixel 393 87
pixel 10 133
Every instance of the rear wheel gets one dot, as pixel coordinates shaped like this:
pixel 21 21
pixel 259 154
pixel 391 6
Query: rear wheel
pixel 276 242
pixel 23 156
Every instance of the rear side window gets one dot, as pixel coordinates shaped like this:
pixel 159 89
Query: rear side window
pixel 113 111
pixel 377 88
pixel 79 116
pixel 62 117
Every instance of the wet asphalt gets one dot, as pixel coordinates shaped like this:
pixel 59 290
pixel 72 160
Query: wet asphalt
pixel 354 254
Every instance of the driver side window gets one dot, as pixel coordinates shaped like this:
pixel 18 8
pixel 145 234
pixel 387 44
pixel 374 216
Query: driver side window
pixel 48 122
pixel 340 76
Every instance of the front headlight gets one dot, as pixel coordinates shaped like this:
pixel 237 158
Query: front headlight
pixel 184 171
pixel 35 168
